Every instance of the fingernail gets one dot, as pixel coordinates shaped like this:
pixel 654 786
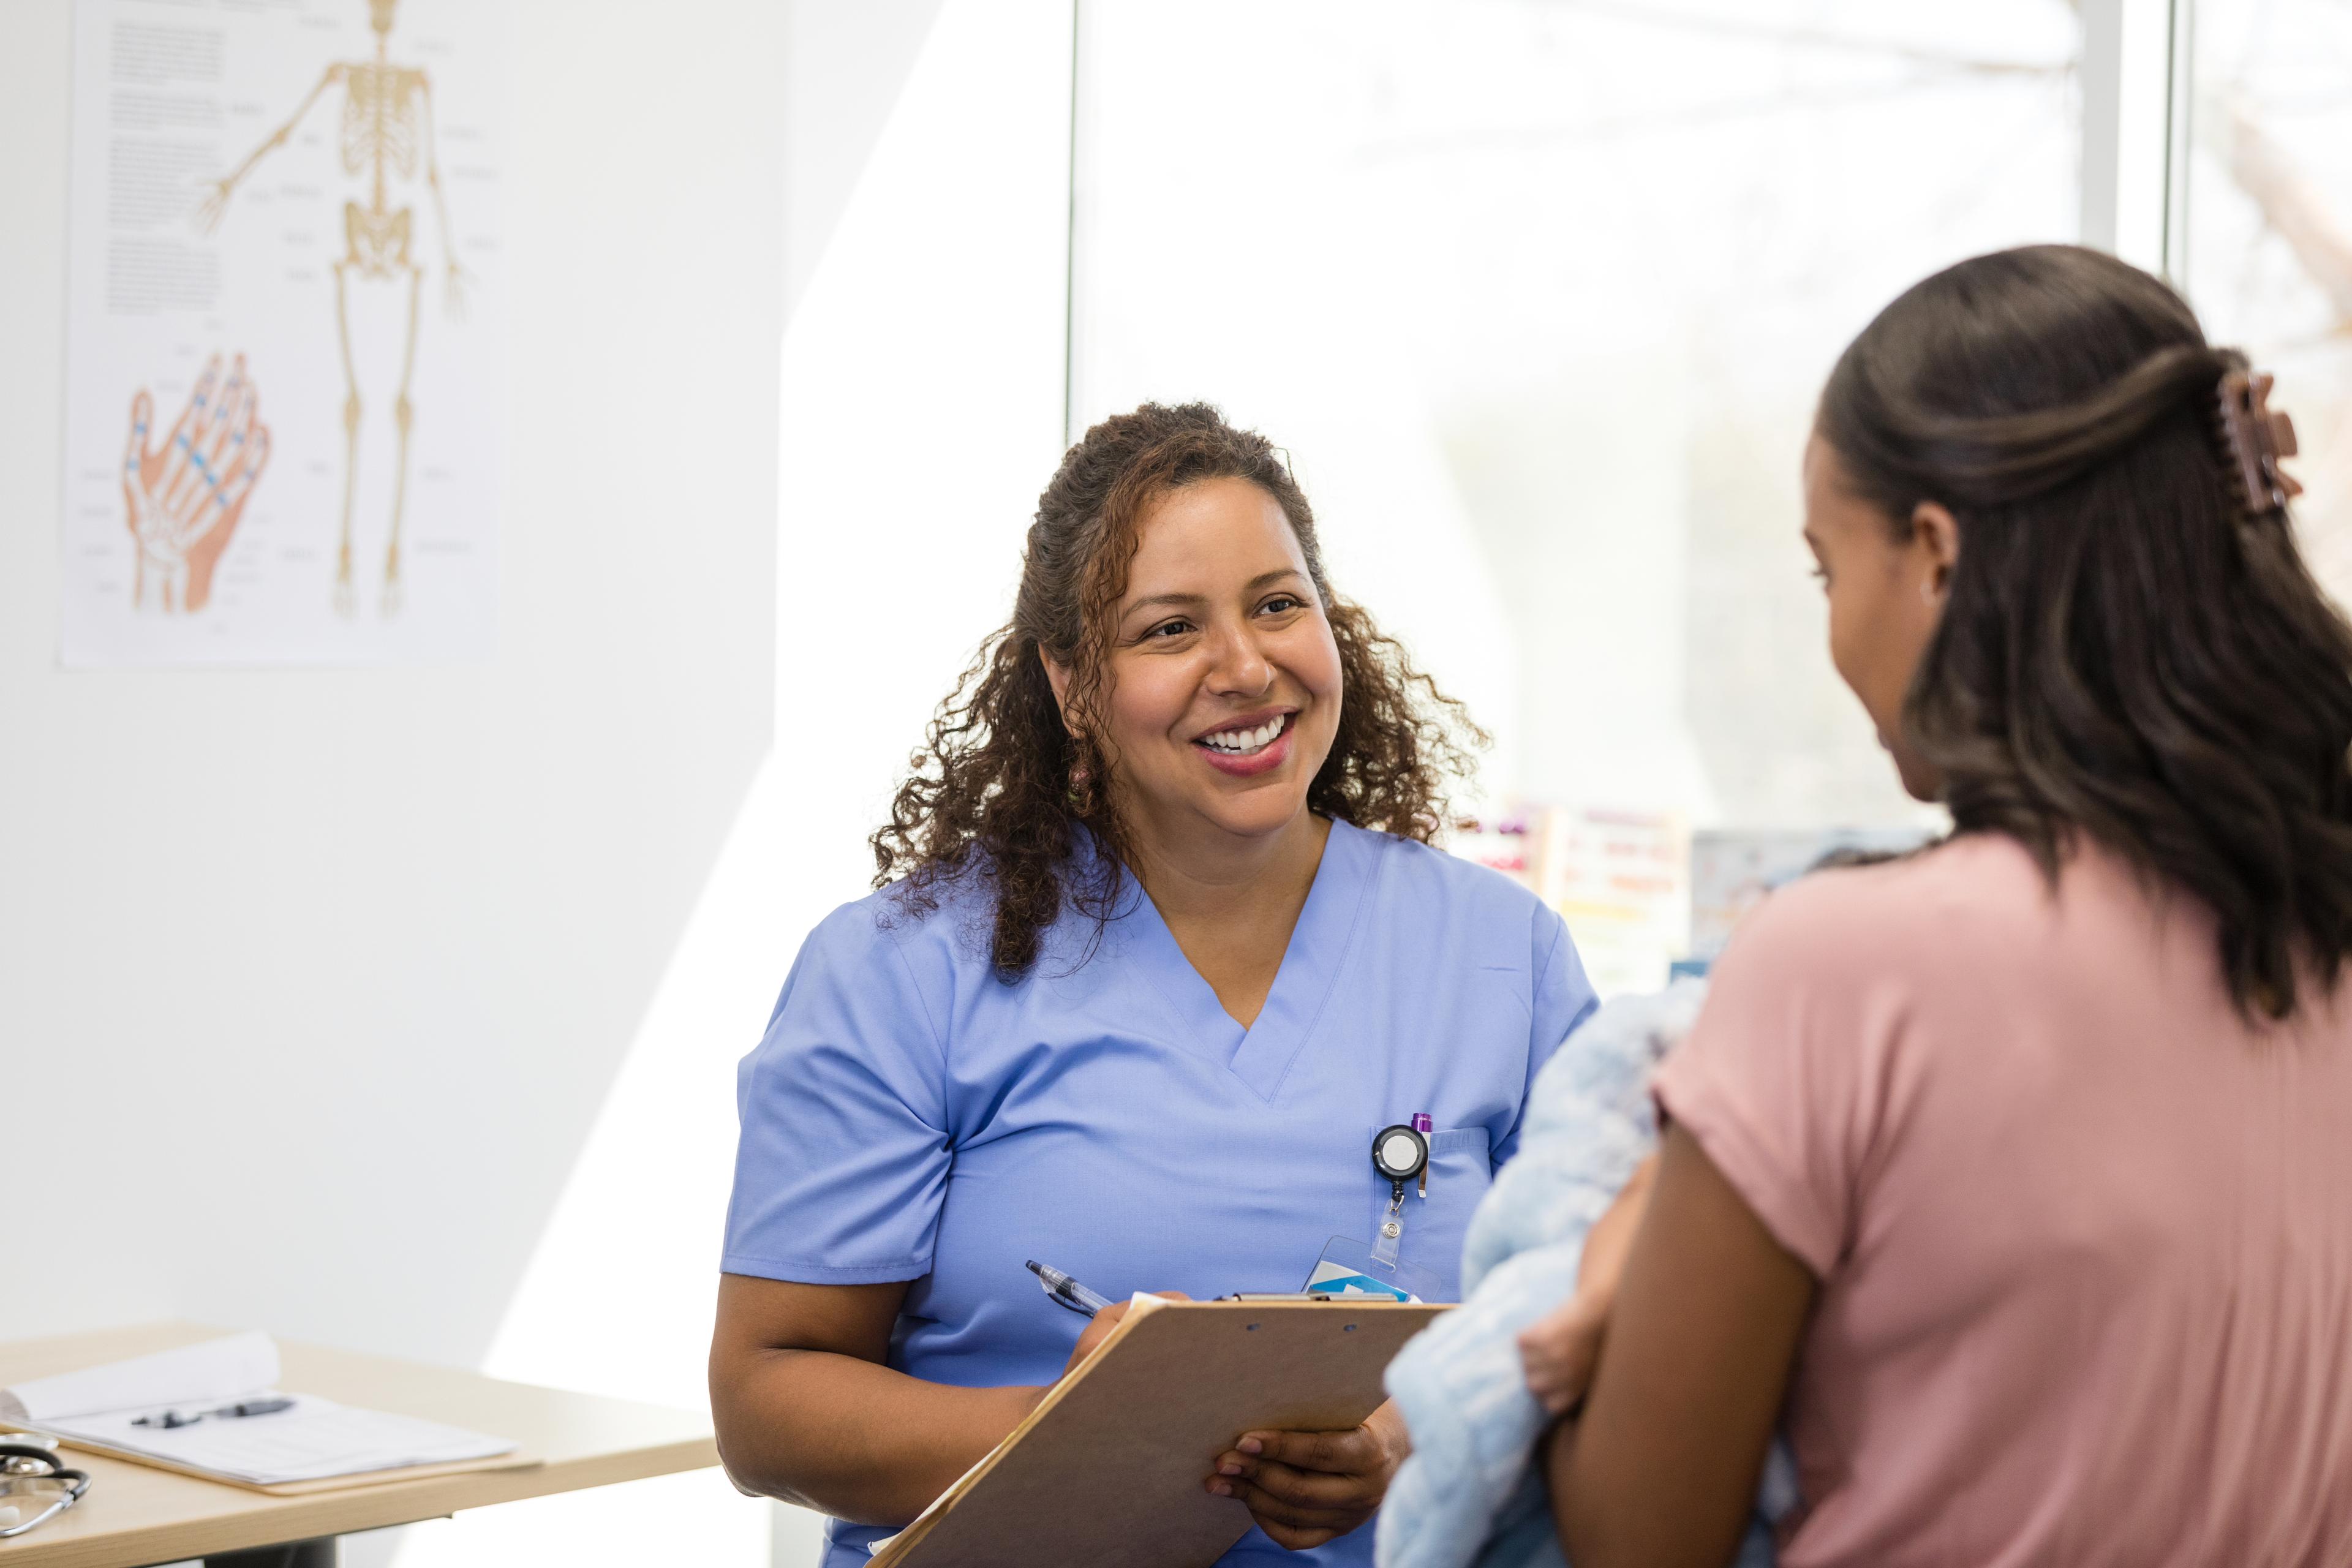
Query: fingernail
pixel 1220 1489
pixel 1251 1445
pixel 1229 1470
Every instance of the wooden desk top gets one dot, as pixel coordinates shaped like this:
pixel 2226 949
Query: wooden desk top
pixel 134 1514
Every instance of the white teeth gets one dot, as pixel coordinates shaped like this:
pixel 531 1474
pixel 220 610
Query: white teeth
pixel 1241 743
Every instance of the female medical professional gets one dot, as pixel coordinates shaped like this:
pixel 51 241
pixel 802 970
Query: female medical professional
pixel 1159 947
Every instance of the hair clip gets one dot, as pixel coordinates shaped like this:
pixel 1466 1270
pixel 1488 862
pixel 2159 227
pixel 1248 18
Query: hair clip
pixel 2257 439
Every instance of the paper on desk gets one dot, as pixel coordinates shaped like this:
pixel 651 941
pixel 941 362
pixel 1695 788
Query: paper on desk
pixel 314 1439
pixel 214 1370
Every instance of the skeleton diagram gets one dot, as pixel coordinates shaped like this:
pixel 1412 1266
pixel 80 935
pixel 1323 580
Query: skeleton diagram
pixel 387 130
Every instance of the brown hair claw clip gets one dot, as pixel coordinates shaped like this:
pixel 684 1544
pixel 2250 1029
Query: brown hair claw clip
pixel 2256 438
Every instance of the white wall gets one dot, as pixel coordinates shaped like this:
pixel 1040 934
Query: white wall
pixel 322 1047
pixel 922 414
pixel 319 1041
pixel 844 74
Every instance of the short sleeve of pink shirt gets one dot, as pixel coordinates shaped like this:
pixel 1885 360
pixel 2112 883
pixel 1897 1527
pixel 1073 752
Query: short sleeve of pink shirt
pixel 1780 1079
pixel 2085 1266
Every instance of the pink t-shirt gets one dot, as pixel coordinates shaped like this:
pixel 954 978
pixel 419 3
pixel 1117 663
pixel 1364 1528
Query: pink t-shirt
pixel 2084 1237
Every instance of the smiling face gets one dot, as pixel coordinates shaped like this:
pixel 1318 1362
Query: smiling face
pixel 1222 682
pixel 1886 592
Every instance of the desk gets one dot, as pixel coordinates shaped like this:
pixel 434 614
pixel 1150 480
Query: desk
pixel 136 1515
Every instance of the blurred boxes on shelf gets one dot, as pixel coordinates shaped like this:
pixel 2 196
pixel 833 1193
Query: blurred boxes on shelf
pixel 1731 870
pixel 1620 878
pixel 1643 894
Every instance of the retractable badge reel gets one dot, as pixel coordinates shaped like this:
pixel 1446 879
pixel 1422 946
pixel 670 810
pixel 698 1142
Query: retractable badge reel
pixel 1400 1156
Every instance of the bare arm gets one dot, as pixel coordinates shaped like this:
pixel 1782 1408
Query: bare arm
pixel 209 212
pixel 806 1411
pixel 1662 1469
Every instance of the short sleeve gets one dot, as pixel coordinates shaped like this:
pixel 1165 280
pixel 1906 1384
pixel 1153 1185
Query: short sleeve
pixel 1774 1079
pixel 1562 998
pixel 841 1161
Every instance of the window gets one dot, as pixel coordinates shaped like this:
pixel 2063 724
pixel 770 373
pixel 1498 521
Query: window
pixel 2268 235
pixel 1539 294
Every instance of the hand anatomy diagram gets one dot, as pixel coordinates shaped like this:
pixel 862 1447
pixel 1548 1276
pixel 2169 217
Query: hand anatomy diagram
pixel 386 135
pixel 185 497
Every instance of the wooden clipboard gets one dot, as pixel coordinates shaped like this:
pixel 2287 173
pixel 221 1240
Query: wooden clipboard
pixel 1109 1467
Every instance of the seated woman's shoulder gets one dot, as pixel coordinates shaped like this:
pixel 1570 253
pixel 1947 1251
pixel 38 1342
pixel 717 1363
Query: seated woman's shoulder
pixel 1423 870
pixel 940 912
pixel 946 923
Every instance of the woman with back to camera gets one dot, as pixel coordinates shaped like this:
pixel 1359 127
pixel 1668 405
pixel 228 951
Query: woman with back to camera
pixel 1159 948
pixel 2016 1176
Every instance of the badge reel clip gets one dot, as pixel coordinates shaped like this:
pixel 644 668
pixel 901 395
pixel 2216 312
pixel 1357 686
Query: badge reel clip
pixel 1401 1154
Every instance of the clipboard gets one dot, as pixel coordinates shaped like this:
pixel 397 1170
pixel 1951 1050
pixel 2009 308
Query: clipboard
pixel 1109 1467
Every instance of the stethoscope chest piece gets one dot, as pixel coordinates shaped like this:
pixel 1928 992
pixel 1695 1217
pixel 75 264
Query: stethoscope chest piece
pixel 29 1469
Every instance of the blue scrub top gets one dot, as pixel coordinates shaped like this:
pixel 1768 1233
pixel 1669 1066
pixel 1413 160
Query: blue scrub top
pixel 909 1115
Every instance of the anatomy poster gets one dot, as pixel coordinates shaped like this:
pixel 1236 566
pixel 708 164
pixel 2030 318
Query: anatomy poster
pixel 285 357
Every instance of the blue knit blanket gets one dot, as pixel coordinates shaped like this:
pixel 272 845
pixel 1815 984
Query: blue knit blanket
pixel 1469 1494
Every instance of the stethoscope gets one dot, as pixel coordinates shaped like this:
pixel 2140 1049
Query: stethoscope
pixel 23 1457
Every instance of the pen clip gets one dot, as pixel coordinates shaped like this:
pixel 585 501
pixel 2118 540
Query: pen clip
pixel 167 1420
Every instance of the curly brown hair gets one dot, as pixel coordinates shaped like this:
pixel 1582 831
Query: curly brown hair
pixel 1003 787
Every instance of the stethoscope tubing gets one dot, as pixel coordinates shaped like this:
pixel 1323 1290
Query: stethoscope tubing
pixel 77 1482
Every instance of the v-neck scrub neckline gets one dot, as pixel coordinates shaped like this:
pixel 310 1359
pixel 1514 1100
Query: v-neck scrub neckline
pixel 1261 1053
pixel 911 1116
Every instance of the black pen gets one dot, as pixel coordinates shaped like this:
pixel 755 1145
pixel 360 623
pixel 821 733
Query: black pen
pixel 171 1420
pixel 1067 1291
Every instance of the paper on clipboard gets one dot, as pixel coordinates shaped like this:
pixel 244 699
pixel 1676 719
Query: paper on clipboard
pixel 1109 1466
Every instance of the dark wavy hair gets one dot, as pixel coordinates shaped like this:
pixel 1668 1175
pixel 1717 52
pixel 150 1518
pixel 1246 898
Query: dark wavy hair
pixel 1002 788
pixel 2128 651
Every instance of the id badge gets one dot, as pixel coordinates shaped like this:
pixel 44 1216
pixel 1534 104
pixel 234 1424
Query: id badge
pixel 1350 1268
